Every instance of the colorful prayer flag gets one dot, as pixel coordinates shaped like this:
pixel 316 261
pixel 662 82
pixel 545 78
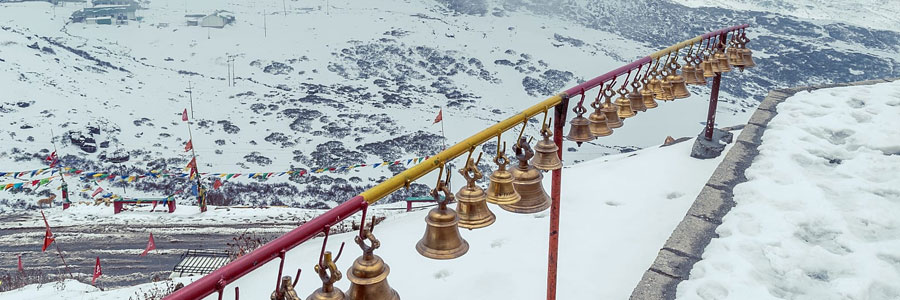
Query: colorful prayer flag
pixel 188 146
pixel 97 191
pixel 184 115
pixel 217 184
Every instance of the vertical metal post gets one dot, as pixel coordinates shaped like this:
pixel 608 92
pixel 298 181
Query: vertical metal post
pixel 714 97
pixel 559 120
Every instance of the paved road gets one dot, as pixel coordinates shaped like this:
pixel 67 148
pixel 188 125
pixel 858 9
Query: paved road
pixel 118 247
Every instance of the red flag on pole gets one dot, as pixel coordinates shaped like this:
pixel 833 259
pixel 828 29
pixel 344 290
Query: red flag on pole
pixel 97 271
pixel 184 115
pixel 189 146
pixel 48 236
pixel 97 191
pixel 150 245
pixel 52 159
pixel 439 116
pixel 217 184
pixel 21 269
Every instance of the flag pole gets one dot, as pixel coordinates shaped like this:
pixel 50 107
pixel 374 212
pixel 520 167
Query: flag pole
pixel 442 129
pixel 193 153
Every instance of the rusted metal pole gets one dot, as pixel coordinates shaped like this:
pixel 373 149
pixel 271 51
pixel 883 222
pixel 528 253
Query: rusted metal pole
pixel 559 120
pixel 714 98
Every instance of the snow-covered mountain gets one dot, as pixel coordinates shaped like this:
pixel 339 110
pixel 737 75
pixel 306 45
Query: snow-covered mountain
pixel 337 83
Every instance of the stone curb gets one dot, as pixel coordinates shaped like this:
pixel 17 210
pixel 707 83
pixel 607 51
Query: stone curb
pixel 689 239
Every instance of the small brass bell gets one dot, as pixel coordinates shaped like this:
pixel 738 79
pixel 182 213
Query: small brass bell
pixel 610 109
pixel 688 73
pixel 748 58
pixel 679 90
pixel 636 100
pixel 649 102
pixel 666 87
pixel 723 61
pixel 624 105
pixel 368 275
pixel 707 68
pixel 734 57
pixel 598 124
pixel 528 183
pixel 654 85
pixel 286 291
pixel 471 200
pixel 546 157
pixel 714 64
pixel 580 131
pixel 327 291
pixel 442 239
pixel 501 189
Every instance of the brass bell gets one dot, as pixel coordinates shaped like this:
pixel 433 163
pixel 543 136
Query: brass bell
pixel 368 275
pixel 748 58
pixel 442 239
pixel 624 105
pixel 285 291
pixel 597 120
pixel 723 61
pixel 580 131
pixel 679 89
pixel 714 63
pixel 501 189
pixel 327 291
pixel 666 88
pixel 649 102
pixel 528 183
pixel 546 157
pixel 610 109
pixel 707 68
pixel 654 84
pixel 471 200
pixel 734 57
pixel 636 100
pixel 688 73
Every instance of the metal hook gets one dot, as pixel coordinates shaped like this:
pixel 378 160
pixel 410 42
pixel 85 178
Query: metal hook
pixel 327 230
pixel 237 293
pixel 296 279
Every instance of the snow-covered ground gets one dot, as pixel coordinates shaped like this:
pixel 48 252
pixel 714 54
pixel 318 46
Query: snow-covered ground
pixel 817 218
pixel 881 14
pixel 617 212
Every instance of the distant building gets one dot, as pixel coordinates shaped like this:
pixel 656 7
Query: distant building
pixel 217 19
pixel 107 12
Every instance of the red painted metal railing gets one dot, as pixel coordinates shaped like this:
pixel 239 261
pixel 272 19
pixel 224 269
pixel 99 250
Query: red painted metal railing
pixel 217 280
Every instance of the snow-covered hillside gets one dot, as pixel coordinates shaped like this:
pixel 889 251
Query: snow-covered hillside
pixel 880 14
pixel 354 82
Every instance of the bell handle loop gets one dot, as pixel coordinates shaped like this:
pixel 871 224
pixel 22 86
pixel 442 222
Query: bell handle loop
pixel 545 131
pixel 596 104
pixel 687 57
pixel 368 250
pixel 635 83
pixel 576 109
pixel 608 92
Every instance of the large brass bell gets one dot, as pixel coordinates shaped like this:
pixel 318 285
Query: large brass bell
pixel 624 105
pixel 368 275
pixel 610 109
pixel 635 98
pixel 734 57
pixel 679 89
pixel 327 291
pixel 546 157
pixel 580 131
pixel 442 239
pixel 471 203
pixel 714 63
pixel 598 124
pixel 649 102
pixel 528 183
pixel 501 189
